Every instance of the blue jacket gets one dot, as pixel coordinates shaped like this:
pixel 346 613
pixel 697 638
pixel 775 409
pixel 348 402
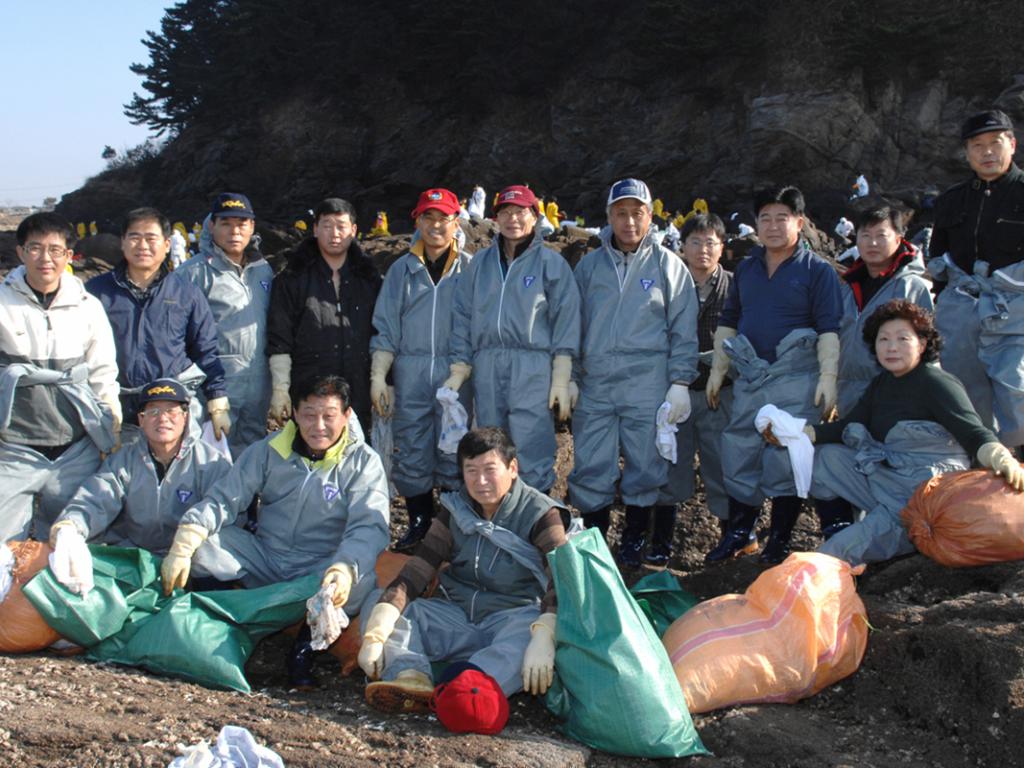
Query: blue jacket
pixel 162 335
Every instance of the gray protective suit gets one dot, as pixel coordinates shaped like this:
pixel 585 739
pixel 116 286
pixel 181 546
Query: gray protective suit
pixel 981 319
pixel 509 327
pixel 413 320
pixel 639 329
pixel 239 299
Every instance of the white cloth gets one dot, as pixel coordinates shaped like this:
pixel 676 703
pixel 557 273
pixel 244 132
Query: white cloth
pixel 236 748
pixel 665 439
pixel 382 440
pixel 845 227
pixel 744 230
pixel 6 571
pixel 862 186
pixel 477 203
pixel 848 256
pixel 454 420
pixel 790 432
pixel 210 439
pixel 326 620
pixel 71 561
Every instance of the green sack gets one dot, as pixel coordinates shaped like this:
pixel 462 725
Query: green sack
pixel 204 637
pixel 614 687
pixel 662 599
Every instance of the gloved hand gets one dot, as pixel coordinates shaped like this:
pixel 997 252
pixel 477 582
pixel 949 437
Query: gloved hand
pixel 341 575
pixel 1000 460
pixel 827 391
pixel 561 374
pixel 380 397
pixel 678 397
pixel 458 373
pixel 70 561
pixel 280 382
pixel 539 661
pixel 378 629
pixel 178 562
pixel 719 365
pixel 771 439
pixel 220 416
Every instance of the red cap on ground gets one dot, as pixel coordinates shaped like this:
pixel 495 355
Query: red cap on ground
pixel 472 702
pixel 443 200
pixel 519 195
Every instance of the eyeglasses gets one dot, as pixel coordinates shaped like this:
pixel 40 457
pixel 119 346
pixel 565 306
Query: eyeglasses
pixel 696 242
pixel 35 250
pixel 134 238
pixel 867 237
pixel 514 212
pixel 174 412
pixel 434 221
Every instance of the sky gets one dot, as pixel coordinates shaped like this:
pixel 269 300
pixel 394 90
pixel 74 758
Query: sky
pixel 66 79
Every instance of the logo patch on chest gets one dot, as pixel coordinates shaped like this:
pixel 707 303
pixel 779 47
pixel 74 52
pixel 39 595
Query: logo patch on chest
pixel 184 495
pixel 330 491
pixel 528 280
pixel 646 284
pixel 266 285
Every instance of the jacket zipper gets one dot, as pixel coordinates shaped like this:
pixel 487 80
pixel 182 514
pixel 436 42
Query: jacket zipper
pixel 433 323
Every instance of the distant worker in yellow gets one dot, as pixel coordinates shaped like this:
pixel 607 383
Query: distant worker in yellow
pixel 93 229
pixel 380 226
pixel 551 212
pixel 80 229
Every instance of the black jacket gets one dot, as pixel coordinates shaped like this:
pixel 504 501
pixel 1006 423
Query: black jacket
pixel 977 219
pixel 324 331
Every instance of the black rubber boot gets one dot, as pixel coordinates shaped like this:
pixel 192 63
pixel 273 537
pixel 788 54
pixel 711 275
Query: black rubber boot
pixel 600 520
pixel 420 509
pixel 785 511
pixel 661 540
pixel 737 536
pixel 833 515
pixel 634 536
pixel 299 663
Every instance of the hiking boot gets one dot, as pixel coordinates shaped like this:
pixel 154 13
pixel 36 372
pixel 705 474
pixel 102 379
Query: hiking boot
pixel 300 661
pixel 409 693
pixel 661 541
pixel 738 537
pixel 420 509
pixel 634 536
pixel 785 511
pixel 601 519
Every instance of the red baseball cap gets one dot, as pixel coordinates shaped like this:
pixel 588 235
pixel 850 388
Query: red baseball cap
pixel 471 701
pixel 519 195
pixel 443 200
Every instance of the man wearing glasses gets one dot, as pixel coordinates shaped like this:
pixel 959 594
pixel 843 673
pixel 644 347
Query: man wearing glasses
pixel 516 329
pixel 413 320
pixel 139 494
pixel 639 349
pixel 703 239
pixel 163 328
pixel 59 405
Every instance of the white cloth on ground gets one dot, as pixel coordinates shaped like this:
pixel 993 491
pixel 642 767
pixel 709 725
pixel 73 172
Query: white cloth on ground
pixel 235 748
pixel 71 561
pixel 326 620
pixel 454 420
pixel 665 439
pixel 789 431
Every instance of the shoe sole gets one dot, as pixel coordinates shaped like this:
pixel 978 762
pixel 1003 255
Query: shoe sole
pixel 395 699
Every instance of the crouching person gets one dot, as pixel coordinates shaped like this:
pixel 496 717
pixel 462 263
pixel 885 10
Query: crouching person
pixel 324 508
pixel 138 496
pixel 497 609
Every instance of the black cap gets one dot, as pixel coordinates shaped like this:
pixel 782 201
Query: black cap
pixel 984 122
pixel 232 204
pixel 164 389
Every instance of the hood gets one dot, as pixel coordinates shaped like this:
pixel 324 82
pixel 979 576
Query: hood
pixel 71 291
pixel 908 261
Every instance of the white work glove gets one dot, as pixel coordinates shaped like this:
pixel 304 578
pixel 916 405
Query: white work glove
pixel 458 373
pixel 827 391
pixel 1000 460
pixel 380 396
pixel 341 575
pixel 719 365
pixel 561 375
pixel 178 562
pixel 678 397
pixel 539 660
pixel 280 382
pixel 378 629
pixel 219 411
pixel 70 561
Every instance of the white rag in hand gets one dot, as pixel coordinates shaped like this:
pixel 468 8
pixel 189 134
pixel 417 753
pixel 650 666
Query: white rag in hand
pixel 454 420
pixel 790 432
pixel 665 440
pixel 71 561
pixel 326 620
pixel 210 439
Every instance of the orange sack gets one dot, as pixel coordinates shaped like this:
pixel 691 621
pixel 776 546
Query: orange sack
pixel 966 518
pixel 22 629
pixel 798 628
